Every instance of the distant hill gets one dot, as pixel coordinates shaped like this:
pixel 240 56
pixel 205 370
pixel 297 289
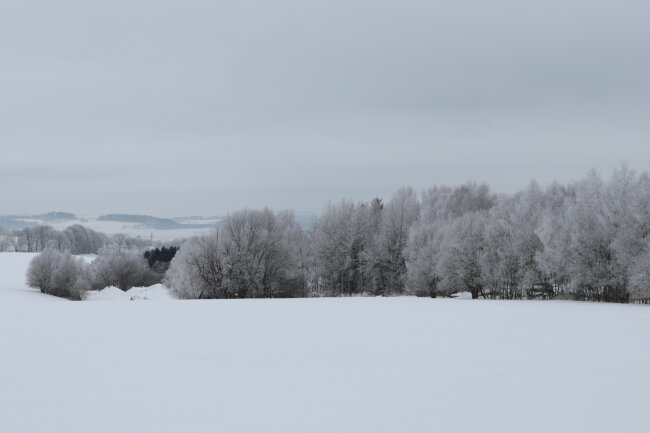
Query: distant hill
pixel 198 219
pixel 15 222
pixel 150 221
pixel 305 220
pixel 133 224
pixel 54 216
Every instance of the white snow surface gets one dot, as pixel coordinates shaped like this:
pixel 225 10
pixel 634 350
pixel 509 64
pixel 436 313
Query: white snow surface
pixel 318 365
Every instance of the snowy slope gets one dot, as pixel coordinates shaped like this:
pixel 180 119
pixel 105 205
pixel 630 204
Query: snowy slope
pixel 319 365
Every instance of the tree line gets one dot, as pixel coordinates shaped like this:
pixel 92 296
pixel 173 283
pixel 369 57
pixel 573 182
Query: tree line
pixel 587 240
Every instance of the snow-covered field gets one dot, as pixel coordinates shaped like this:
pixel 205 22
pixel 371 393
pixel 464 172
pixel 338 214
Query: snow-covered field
pixel 318 365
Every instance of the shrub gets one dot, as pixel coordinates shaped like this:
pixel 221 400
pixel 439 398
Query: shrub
pixel 59 274
pixel 122 269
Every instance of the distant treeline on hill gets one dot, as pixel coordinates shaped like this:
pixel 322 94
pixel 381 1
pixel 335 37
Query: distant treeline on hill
pixel 76 239
pixel 22 221
pixel 56 216
pixel 15 222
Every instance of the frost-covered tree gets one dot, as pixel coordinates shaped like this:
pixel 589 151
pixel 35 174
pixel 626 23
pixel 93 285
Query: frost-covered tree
pixel 341 237
pixel 596 273
pixel 18 242
pixel 463 244
pixel 426 250
pixel 552 259
pixel 470 197
pixel 197 271
pixel 253 254
pixel 82 240
pixel 122 242
pixel 5 240
pixel 257 250
pixel 512 243
pixel 639 286
pixel 422 255
pixel 299 273
pixel 626 208
pixel 385 254
pixel 77 239
pixel 499 259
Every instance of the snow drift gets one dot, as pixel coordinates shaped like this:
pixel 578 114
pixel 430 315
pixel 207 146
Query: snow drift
pixel 156 292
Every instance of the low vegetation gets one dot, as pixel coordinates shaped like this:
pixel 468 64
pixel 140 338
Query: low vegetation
pixel 59 273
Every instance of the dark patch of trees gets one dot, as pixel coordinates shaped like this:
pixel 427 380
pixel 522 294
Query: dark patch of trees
pixel 160 258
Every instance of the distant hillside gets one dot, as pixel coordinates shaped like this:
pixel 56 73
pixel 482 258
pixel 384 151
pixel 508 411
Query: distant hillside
pixel 54 216
pixel 198 219
pixel 150 221
pixel 140 223
pixel 306 220
pixel 15 222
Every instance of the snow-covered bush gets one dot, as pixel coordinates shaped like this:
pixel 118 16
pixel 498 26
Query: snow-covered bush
pixel 121 269
pixel 59 274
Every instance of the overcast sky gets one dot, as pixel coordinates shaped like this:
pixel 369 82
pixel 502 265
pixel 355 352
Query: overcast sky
pixel 201 107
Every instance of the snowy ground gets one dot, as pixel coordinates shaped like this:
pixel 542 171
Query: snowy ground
pixel 318 365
